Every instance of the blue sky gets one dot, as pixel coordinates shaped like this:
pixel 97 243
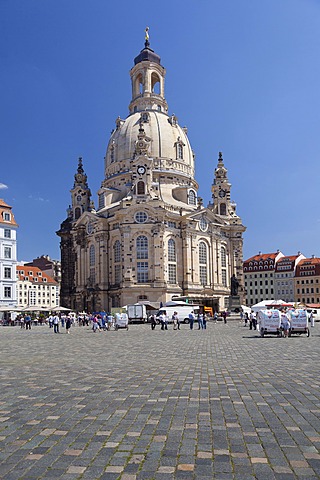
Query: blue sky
pixel 243 76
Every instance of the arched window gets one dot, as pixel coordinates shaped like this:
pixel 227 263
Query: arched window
pixel 77 213
pixel 223 257
pixel 171 250
pixel 92 256
pixel 192 200
pixel 155 83
pixel 142 254
pixel 92 263
pixel 142 247
pixel 180 151
pixel 140 188
pixel 117 260
pixel 203 257
pixel 117 251
pixel 172 259
pixel 223 209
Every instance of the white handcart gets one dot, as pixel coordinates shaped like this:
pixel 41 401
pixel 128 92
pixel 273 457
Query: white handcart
pixel 298 322
pixel 269 322
pixel 121 321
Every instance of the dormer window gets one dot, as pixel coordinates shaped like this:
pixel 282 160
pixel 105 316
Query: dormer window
pixel 179 149
pixel 6 217
pixel 145 117
pixel 192 199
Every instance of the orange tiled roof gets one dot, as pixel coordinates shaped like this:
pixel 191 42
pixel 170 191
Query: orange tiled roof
pixel 262 256
pixel 32 273
pixel 5 208
pixel 289 258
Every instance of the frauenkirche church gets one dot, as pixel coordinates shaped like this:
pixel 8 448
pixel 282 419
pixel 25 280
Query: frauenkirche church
pixel 150 237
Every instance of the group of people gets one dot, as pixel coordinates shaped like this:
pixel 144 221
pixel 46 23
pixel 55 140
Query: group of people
pixel 163 319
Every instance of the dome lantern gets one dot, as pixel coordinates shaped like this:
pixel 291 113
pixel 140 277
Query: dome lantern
pixel 147 78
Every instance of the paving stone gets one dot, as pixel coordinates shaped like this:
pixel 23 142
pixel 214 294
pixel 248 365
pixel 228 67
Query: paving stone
pixel 214 409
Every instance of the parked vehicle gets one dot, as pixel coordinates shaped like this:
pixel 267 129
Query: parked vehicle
pixel 269 322
pixel 137 313
pixel 298 322
pixel 315 313
pixel 182 310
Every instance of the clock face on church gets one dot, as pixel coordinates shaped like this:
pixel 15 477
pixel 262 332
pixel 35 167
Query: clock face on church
pixel 222 193
pixel 141 169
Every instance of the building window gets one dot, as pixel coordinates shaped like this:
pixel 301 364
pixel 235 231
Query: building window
pixel 7 252
pixel 117 260
pixel 140 188
pixel 7 233
pixel 142 270
pixel 92 256
pixel 142 247
pixel 6 217
pixel 101 200
pixel 223 209
pixel 117 274
pixel 7 292
pixel 180 151
pixel 77 213
pixel 172 273
pixel 117 251
pixel 224 278
pixel 141 217
pixel 203 263
pixel 7 272
pixel 171 250
pixel 172 258
pixel 192 199
pixel 223 257
pixel 142 254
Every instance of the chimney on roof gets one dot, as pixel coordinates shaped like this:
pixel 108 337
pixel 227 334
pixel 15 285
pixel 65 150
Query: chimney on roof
pixel 312 256
pixel 299 253
pixel 278 250
pixel 259 253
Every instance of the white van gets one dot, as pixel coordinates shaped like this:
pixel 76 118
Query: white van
pixel 315 313
pixel 182 310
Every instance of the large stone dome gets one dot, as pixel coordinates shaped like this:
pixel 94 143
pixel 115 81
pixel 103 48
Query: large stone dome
pixel 167 140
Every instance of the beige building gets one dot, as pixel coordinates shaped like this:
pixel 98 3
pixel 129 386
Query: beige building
pixel 8 256
pixel 259 277
pixel 150 237
pixel 35 288
pixel 285 271
pixel 307 281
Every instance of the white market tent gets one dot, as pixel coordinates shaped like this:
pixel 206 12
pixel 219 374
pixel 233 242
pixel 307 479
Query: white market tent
pixel 261 305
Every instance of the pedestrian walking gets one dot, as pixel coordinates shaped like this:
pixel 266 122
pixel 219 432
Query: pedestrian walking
pixel 191 320
pixel 252 320
pixel 56 321
pixel 163 320
pixel 200 321
pixel 285 324
pixel 215 317
pixel 27 321
pixel 68 323
pixel 224 316
pixel 175 319
pixel 153 321
pixel 311 319
pixel 95 324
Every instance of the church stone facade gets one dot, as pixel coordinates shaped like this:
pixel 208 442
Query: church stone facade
pixel 150 238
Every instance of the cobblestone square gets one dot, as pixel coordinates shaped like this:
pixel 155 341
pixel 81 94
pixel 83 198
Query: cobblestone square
pixel 220 403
